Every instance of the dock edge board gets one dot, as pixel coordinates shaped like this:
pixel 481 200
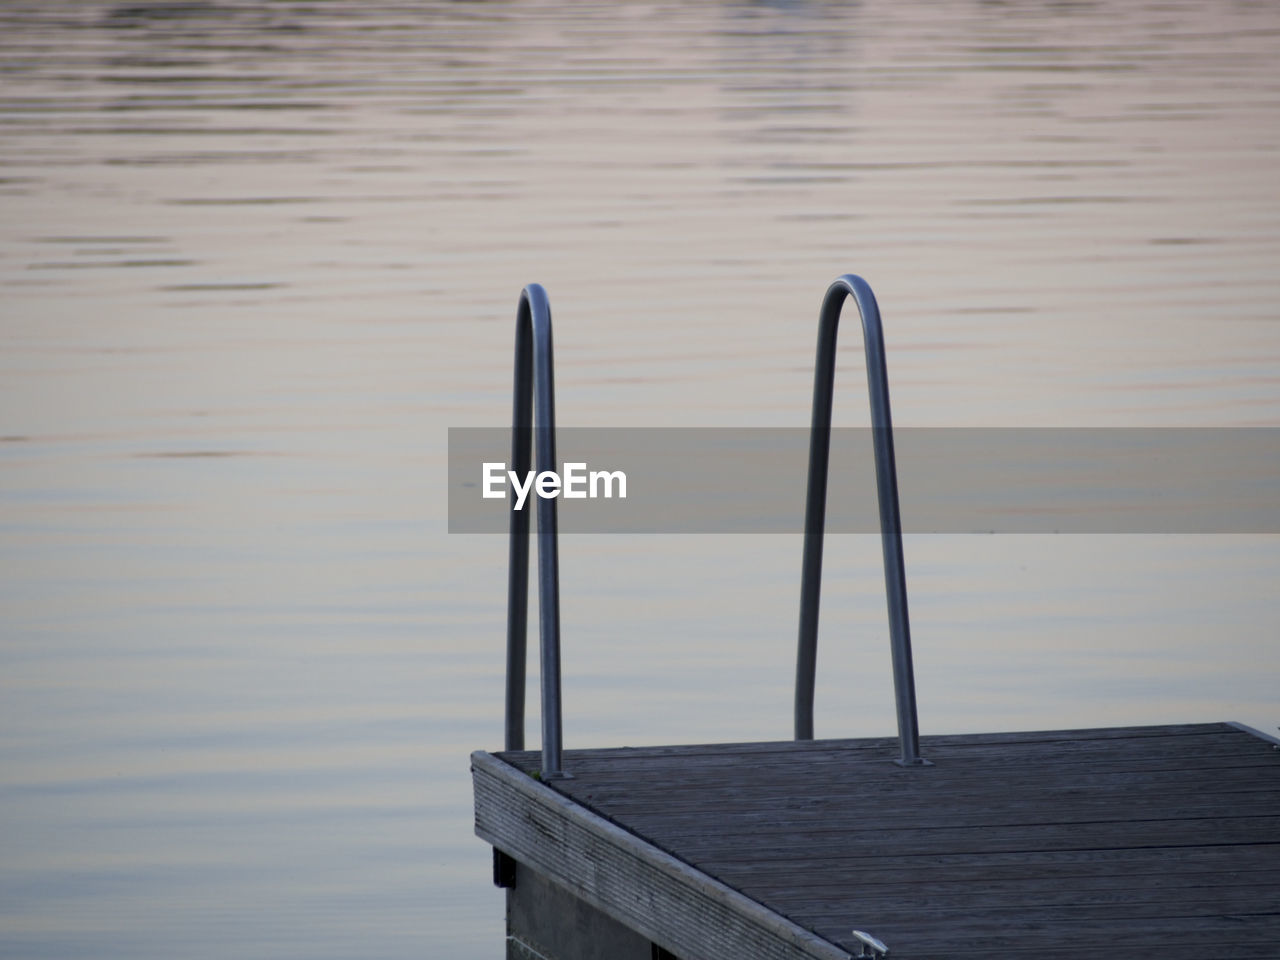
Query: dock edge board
pixel 674 905
pixel 1254 731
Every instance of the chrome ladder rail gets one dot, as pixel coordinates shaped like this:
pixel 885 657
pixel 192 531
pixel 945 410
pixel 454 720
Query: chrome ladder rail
pixel 890 519
pixel 534 393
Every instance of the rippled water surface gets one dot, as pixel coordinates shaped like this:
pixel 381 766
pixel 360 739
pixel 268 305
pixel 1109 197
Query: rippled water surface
pixel 258 257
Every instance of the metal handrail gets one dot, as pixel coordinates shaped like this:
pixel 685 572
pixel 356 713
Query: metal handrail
pixel 534 391
pixel 890 520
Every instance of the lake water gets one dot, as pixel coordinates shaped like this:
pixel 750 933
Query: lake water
pixel 257 258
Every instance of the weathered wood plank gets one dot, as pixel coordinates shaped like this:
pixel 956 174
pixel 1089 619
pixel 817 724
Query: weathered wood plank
pixel 1125 861
pixel 887 745
pixel 806 784
pixel 1087 869
pixel 1112 906
pixel 1226 751
pixel 1186 895
pixel 968 808
pixel 850 822
pixel 1216 936
pixel 815 845
pixel 1193 948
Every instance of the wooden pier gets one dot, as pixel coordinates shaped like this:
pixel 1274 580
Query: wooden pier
pixel 1146 842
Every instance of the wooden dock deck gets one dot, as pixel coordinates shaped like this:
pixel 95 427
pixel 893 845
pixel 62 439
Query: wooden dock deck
pixel 1147 842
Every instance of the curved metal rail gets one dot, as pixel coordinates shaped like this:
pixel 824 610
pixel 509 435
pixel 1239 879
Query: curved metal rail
pixel 890 520
pixel 534 391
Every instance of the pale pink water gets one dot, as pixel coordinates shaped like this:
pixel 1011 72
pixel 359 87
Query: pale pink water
pixel 257 258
